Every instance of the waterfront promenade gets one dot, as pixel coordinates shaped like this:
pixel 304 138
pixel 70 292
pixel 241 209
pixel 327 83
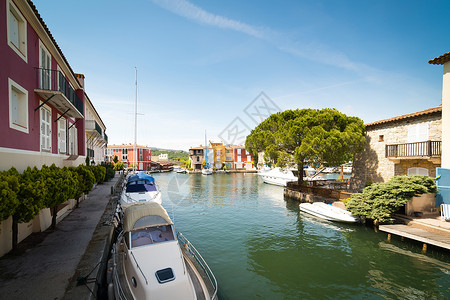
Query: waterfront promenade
pixel 50 267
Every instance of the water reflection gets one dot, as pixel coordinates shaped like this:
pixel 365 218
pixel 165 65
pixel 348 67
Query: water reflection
pixel 259 245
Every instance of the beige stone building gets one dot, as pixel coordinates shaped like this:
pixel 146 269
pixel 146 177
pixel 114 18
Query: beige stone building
pixel 404 145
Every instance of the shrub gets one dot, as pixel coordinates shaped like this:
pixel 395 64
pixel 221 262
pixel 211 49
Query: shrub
pixel 380 200
pixel 99 173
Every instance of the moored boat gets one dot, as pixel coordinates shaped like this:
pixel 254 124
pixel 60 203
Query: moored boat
pixel 150 262
pixel 277 176
pixel 328 212
pixel 140 187
pixel 207 171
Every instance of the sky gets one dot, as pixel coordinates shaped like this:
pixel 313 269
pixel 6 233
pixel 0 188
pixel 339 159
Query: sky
pixel 221 67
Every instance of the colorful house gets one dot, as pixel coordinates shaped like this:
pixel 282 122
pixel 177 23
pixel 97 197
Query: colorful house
pixel 44 103
pixel 219 152
pixel 196 157
pixel 125 153
pixel 242 158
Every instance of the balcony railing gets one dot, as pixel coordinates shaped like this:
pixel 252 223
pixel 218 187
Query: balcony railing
pixel 54 80
pixel 424 149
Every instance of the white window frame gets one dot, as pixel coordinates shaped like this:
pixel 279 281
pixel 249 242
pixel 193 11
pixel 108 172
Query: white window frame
pixel 13 12
pixel 43 134
pixel 21 107
pixel 62 135
pixel 249 158
pixel 46 66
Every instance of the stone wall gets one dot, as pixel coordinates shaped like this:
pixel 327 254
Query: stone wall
pixel 372 165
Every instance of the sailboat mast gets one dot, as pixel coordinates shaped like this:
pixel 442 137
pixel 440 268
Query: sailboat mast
pixel 135 123
pixel 206 152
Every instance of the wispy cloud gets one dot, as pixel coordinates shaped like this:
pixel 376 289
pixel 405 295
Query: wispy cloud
pixel 195 13
pixel 310 50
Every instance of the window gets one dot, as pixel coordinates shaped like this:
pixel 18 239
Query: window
pixel 249 158
pixel 18 107
pixel 239 159
pixel 46 129
pixel 73 142
pixel 45 63
pixel 62 135
pixel 198 158
pixel 418 133
pixel 17 30
pixel 381 138
pixel 418 171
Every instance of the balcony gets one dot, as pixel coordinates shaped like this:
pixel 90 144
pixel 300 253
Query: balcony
pixel 427 149
pixel 54 88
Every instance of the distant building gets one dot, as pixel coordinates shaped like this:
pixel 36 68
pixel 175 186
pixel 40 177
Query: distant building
pixel 126 154
pixel 163 157
pixel 196 157
pixel 404 145
pixel 219 154
pixel 242 158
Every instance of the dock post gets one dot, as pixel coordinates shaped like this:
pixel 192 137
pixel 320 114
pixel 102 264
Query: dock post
pixel 389 237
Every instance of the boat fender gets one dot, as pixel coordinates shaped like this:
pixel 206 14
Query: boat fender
pixel 111 291
pixel 109 273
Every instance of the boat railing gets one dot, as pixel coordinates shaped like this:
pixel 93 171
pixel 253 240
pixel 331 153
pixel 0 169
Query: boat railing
pixel 204 268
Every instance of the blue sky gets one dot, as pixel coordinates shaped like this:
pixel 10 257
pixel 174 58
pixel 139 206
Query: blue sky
pixel 202 63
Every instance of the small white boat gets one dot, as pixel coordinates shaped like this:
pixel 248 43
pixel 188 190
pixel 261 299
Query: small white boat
pixel 181 171
pixel 150 262
pixel 328 212
pixel 207 171
pixel 277 176
pixel 309 171
pixel 140 187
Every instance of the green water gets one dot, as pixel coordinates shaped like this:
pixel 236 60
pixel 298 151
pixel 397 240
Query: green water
pixel 260 247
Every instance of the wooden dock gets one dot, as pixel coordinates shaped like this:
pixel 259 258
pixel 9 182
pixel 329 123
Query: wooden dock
pixel 417 234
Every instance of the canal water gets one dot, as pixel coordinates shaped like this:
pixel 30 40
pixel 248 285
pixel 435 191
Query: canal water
pixel 259 246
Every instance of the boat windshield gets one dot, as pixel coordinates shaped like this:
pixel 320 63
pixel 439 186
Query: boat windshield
pixel 151 235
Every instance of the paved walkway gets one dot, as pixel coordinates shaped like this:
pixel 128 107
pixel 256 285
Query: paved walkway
pixel 46 269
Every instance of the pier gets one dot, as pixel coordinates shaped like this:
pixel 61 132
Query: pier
pixel 429 231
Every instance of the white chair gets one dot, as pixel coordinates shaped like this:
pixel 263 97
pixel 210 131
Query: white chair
pixel 445 212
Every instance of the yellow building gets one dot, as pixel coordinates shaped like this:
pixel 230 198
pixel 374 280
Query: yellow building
pixel 219 154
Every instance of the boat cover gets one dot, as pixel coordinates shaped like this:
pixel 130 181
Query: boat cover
pixel 136 188
pixel 137 211
pixel 140 176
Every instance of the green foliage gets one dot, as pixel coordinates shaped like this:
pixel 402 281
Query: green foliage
pixel 308 135
pixel 87 160
pixel 33 190
pixel 87 178
pixel 380 200
pixel 115 159
pixel 9 188
pixel 172 154
pixel 118 166
pixel 59 183
pixel 99 173
pixel 110 173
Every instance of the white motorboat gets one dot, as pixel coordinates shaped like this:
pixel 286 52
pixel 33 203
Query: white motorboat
pixel 150 262
pixel 309 171
pixel 140 187
pixel 328 212
pixel 207 171
pixel 277 176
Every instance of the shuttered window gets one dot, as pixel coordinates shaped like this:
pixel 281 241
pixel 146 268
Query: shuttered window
pixel 46 132
pixel 62 135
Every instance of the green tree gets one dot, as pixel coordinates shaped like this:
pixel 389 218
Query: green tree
pixel 115 159
pixel 9 188
pixel 59 183
pixel 32 193
pixel 324 136
pixel 380 200
pixel 118 166
pixel 99 173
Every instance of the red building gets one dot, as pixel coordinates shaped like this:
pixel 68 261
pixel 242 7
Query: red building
pixel 242 158
pixel 126 154
pixel 43 104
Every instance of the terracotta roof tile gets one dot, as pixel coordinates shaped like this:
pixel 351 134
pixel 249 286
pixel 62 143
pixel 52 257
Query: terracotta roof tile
pixel 440 60
pixel 407 116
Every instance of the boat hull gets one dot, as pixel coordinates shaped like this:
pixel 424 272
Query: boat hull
pixel 328 212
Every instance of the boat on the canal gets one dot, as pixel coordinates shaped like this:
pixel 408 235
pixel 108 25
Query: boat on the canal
pixel 150 261
pixel 329 212
pixel 140 187
pixel 277 176
pixel 207 171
